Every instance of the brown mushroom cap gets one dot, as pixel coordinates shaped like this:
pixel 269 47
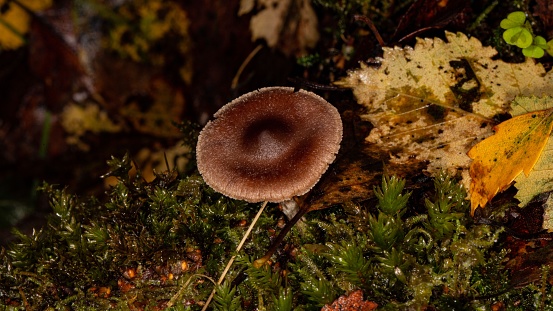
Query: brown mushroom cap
pixel 269 145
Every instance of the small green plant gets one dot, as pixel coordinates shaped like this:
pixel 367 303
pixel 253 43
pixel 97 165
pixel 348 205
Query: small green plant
pixel 152 245
pixel 403 259
pixel 226 298
pixel 518 31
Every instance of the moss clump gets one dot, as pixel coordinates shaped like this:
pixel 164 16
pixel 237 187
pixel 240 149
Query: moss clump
pixel 402 259
pixel 135 249
pixel 160 245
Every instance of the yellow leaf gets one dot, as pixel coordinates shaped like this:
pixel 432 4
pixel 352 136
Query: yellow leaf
pixel 515 148
pixel 548 214
pixel 14 23
pixel 430 104
pixel 433 102
pixel 540 179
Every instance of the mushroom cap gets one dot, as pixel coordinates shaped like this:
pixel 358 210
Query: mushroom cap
pixel 269 145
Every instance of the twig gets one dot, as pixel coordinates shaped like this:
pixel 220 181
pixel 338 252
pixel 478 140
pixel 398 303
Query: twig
pixel 185 286
pixel 229 264
pixel 371 25
pixel 248 59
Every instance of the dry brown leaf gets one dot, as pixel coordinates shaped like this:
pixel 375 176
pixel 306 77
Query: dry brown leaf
pixel 351 302
pixel 289 25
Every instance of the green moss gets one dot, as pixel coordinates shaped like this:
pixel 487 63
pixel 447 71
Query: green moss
pixel 162 244
pixel 162 232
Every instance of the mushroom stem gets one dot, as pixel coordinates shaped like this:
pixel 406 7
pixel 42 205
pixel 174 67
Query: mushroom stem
pixel 238 248
pixel 261 261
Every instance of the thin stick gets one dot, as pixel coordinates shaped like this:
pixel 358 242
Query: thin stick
pixel 369 23
pixel 276 243
pixel 229 264
pixel 243 66
pixel 184 287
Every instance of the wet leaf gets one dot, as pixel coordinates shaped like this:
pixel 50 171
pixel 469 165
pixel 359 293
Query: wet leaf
pixel 351 178
pixel 156 112
pixel 515 148
pixel 528 266
pixel 353 301
pixel 432 103
pixel 548 214
pixel 359 166
pixel 540 179
pixel 289 25
pixel 14 22
pixel 152 32
pixel 80 119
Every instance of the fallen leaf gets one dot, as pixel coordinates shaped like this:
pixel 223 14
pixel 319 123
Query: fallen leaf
pixel 528 267
pixel 355 171
pixel 14 23
pixel 77 120
pixel 153 32
pixel 433 102
pixel 353 301
pixel 352 177
pixel 156 112
pixel 548 214
pixel 540 179
pixel 289 25
pixel 515 148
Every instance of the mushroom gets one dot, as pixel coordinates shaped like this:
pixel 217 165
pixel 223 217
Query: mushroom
pixel 269 145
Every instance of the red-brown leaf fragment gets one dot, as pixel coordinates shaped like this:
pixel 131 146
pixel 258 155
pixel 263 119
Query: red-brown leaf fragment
pixel 353 302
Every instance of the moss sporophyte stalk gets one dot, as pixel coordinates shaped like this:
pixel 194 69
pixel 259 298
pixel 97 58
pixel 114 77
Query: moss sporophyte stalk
pixel 160 245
